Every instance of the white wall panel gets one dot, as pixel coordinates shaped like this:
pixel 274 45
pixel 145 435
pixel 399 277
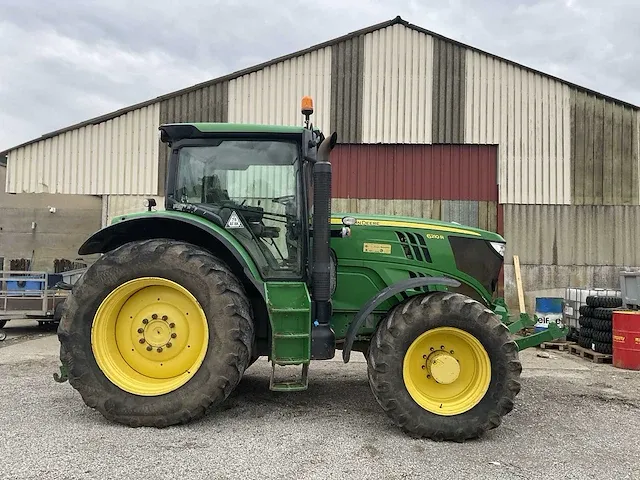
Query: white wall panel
pixel 529 116
pixel 398 85
pixel 119 156
pixel 116 205
pixel 272 95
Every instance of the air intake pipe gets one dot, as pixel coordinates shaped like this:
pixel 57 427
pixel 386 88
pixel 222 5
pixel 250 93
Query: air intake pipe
pixel 323 339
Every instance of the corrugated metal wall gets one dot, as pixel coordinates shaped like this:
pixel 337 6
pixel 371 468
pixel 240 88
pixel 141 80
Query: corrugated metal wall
pixel 529 116
pixel 207 104
pixel 442 182
pixel 116 205
pixel 448 172
pixel 398 81
pixel 118 156
pixel 573 234
pixel 604 160
pixel 347 78
pixel 273 95
pixel 448 92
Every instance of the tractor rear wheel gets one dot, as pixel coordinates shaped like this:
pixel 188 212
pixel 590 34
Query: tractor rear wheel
pixel 155 333
pixel 444 367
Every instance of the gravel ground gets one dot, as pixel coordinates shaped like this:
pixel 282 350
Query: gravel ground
pixel 573 419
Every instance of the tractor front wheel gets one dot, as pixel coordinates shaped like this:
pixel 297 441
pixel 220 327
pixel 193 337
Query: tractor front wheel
pixel 444 367
pixel 155 333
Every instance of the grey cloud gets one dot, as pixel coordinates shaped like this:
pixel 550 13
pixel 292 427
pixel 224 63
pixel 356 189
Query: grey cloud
pixel 65 62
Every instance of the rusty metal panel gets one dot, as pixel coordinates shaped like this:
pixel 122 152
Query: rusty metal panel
pixel 529 116
pixel 448 92
pixel 420 172
pixel 604 160
pixel 272 95
pixel 119 156
pixel 398 80
pixel 573 234
pixel 347 63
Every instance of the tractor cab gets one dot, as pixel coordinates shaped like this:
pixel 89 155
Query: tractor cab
pixel 253 183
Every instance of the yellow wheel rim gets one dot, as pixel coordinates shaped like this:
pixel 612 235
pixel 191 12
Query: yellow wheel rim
pixel 149 336
pixel 446 371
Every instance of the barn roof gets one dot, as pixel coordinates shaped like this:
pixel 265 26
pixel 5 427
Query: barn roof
pixel 395 21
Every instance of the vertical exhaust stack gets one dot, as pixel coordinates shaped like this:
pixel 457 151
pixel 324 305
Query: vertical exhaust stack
pixel 323 339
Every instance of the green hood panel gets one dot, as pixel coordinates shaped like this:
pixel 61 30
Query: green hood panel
pixel 436 226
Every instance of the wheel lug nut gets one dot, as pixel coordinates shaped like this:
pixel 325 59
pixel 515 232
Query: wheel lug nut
pixel 431 349
pixel 165 318
pixel 149 348
pixel 145 321
pixel 141 340
pixel 154 316
pixel 169 345
pixel 424 356
pixel 159 349
pixel 441 347
pixel 172 325
pixel 173 335
pixel 141 330
pixel 451 352
pixel 423 367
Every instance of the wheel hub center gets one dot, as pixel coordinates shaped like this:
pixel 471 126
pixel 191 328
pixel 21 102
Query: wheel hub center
pixel 444 368
pixel 157 333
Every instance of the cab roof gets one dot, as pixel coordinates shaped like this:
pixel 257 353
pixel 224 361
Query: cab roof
pixel 171 132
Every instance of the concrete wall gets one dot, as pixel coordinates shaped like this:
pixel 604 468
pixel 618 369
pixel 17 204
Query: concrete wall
pixel 56 235
pixel 562 246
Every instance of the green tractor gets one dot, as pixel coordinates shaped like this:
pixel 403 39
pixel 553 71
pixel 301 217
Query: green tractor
pixel 247 260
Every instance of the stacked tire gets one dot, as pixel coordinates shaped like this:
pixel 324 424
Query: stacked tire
pixel 596 319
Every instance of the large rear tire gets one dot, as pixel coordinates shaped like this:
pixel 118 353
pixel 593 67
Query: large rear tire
pixel 156 333
pixel 444 367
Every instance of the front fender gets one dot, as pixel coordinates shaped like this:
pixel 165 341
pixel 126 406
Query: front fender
pixel 175 226
pixel 381 297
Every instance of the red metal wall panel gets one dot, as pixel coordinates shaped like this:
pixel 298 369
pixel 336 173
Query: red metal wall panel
pixel 415 172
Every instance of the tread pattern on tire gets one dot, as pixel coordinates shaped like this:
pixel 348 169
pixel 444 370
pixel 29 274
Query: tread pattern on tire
pixel 230 324
pixel 604 301
pixel 585 342
pixel 602 337
pixel 586 311
pixel 585 322
pixel 603 347
pixel 603 313
pixel 408 320
pixel 602 325
pixel 587 332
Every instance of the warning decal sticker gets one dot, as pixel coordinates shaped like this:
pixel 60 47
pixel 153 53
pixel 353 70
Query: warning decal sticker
pixel 234 221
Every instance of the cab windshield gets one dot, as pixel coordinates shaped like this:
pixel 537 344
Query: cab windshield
pixel 258 181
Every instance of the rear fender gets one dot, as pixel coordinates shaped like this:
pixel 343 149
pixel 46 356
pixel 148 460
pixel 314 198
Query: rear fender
pixel 382 296
pixel 177 227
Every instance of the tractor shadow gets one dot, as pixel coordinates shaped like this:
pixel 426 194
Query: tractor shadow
pixel 338 388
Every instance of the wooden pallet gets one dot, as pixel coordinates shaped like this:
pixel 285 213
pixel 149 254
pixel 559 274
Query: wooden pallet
pixel 589 354
pixel 558 345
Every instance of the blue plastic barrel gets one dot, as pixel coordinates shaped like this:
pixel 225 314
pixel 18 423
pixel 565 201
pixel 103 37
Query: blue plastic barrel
pixel 548 309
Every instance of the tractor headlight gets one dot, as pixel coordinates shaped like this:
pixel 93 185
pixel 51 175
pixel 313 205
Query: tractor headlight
pixel 348 221
pixel 499 247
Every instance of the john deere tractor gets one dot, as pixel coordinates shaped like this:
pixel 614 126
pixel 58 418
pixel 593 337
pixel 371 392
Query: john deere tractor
pixel 247 260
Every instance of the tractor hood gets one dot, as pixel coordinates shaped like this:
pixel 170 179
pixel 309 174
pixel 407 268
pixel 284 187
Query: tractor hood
pixel 434 226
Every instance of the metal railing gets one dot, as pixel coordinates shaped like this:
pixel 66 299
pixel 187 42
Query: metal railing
pixel 26 293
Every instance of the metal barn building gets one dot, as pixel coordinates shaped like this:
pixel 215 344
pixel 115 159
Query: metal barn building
pixel 427 126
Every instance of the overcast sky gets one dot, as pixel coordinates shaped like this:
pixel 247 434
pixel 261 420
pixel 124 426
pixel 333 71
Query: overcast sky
pixel 67 61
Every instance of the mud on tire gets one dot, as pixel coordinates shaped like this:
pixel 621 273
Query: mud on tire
pixel 220 295
pixel 402 326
